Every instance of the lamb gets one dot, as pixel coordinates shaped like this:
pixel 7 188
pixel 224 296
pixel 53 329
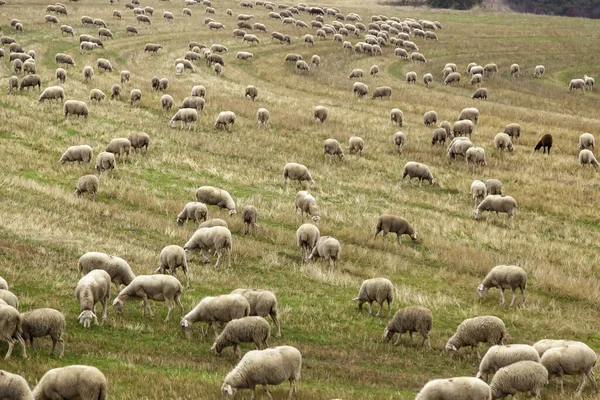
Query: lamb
pixel 453 77
pixel 97 94
pixel 251 92
pixel 497 203
pixel 577 84
pixel 31 81
pixel 546 344
pixel 494 186
pixel 461 388
pixel 306 203
pixel 377 290
pixel 382 91
pixel 44 322
pixel 356 73
pixel 539 71
pixel 545 142
pixel 119 271
pixel 213 196
pixel 139 140
pixel 327 248
pixel 151 287
pixel 249 216
pixel 463 128
pixel 359 89
pixel 13 386
pixel 262 117
pixel 430 117
pixel 243 330
pixel 400 226
pixel 192 211
pixel 72 382
pixel 417 170
pixel 475 155
pixel 478 191
pixel 135 97
pixel 504 276
pixel 439 135
pixel 216 310
pixel 502 142
pixel 502 356
pixel 356 145
pixel 119 147
pixel 396 116
pixel 87 184
pixel 332 147
pixel 473 331
pixel 480 93
pixel 225 120
pixel 244 55
pixel 410 319
pixel 589 81
pixel 296 172
pixel 399 139
pixel 586 141
pixel 9 298
pixel 13 83
pixel 264 367
pixel 262 303
pixel 105 161
pixel 91 289
pixel 523 376
pixel 172 257
pixel 115 91
pixel 187 116
pixel 52 93
pixel 88 73
pixel 216 238
pixel 307 236
pixel 587 157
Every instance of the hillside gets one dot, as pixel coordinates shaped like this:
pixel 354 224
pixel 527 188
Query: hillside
pixel 45 228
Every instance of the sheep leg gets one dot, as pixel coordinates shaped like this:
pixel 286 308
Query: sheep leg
pixel 522 294
pixel 147 305
pixel 236 351
pixel 277 325
pixel 267 392
pixel 411 337
pixel 590 376
pixel 514 296
pixel 581 384
pixel 218 258
pixel 397 342
pixel 502 296
pixel 371 307
pixel 11 344
pixel 380 308
pixel 389 307
pixel 170 307
pixel 104 308
pixel 204 258
pixel 292 389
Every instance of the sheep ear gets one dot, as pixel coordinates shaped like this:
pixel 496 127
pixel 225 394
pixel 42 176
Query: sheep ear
pixel 355 299
pixel 80 315
pixel 229 390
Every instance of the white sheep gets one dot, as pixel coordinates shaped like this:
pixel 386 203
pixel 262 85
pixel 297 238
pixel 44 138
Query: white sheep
pixel 192 211
pixel 572 359
pixel 494 186
pixel 501 356
pixel 105 161
pixel 82 153
pixel 320 114
pixel 213 222
pixel 577 84
pixel 296 172
pixel 3 283
pixel 586 157
pixel 356 145
pixel 587 140
pixel 546 344
pixel 327 248
pixel 264 367
pixel 306 203
pixel 523 376
pixel 87 184
pixel 475 155
pixel 399 139
pixel 216 310
pixel 460 388
pixel 377 290
pixel 410 319
pixel 72 382
pixel 91 289
pixel 502 142
pixel 216 238
pixel 539 71
pixel 119 270
pixel 417 170
pixel 307 236
pixel 470 113
pixel 331 147
pixel 396 116
pixel 262 117
pixel 13 386
pixel 497 203
pixel 262 303
pixel 502 277
pixel 589 81
pixel 213 196
pixel 225 119
pixel 11 323
pixel 119 147
pixel 430 118
pixel 44 322
pixel 400 226
pixel 171 258
pixel 478 191
pixel 473 331
pixel 249 217
pixel 243 330
pixel 151 287
pixel 9 298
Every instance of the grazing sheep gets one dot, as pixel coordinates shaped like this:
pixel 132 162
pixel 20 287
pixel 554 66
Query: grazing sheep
pixel 213 222
pixel 396 116
pixel 105 161
pixel 87 184
pixel 417 57
pixel 29 66
pixel 91 289
pixel 539 71
pixel 51 19
pixel 3 283
pixel 307 236
pixel 315 60
pixel 213 196
pixel 513 130
pixel 118 269
pixel 545 142
pixel 187 116
pixel 244 55
pixel 216 238
pixel 119 147
pixel 11 323
pixel 459 147
pixel 194 102
pixel 502 142
pixel 262 117
pixel 83 153
pixel 67 29
pixel 480 93
pixel 478 191
pixel 262 304
pixel 139 140
pixel 515 70
pixel 251 92
pixel 151 287
pixel 461 388
pixel 356 73
pixel 251 329
pixel 72 382
pixel 377 290
pixel 75 107
pixel 249 216
pixel 470 113
pixel 374 70
pixel 115 91
pixel 140 19
pixel 215 25
pixel 61 75
pixel 577 84
pixel 306 203
pixel 359 89
pixel 198 91
pixel 439 135
pixel 430 117
pixel 31 81
pixel 327 248
pixel 463 128
pixel 356 145
pixel 522 376
pixel 301 66
pixel 88 73
pixel 332 147
pixel 475 155
pixel 411 77
pixel 13 386
pixel 398 52
pixel 103 32
pixel 152 47
pixel 87 46
pixel 502 277
pixel 490 69
pixel 44 322
pixel 225 120
pixel 135 97
pixel 13 83
pixel 250 38
pixel 546 344
pixel 264 367
pixel 52 93
pixel 410 319
pixel 193 211
pixel 589 81
pixel 293 57
pixel 400 226
pixel 216 310
pixel 497 203
pixel 502 356
pixel 417 170
pixel 473 331
pixel 586 141
pixel 453 77
pixel 586 157
pixel 476 79
pixel 97 94
pixel 17 66
pixel 296 172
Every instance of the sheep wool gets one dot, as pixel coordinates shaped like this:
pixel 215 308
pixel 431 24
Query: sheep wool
pixel 11 323
pixel 523 376
pixel 216 310
pixel 472 331
pixel 327 248
pixel 410 319
pixel 151 287
pixel 243 330
pixel 119 270
pixel 571 359
pixel 45 322
pixel 501 356
pixel 262 303
pixel 72 382
pixel 400 226
pixel 460 388
pixel 377 290
pixel 502 277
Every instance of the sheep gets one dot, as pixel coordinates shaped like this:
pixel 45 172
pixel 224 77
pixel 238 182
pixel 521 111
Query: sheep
pixel 11 322
pixel 473 331
pixel 67 29
pixel 398 52
pixel 251 92
pixel 459 147
pixel 97 94
pixel 44 322
pixel 213 196
pixel 168 15
pixel 135 97
pixel 118 269
pixel 88 73
pixel 356 145
pixel 502 142
pixel 332 147
pixel 117 14
pixel 61 75
pixel 225 120
pixel 215 25
pixel 359 89
pixel 13 386
pixel 396 116
pixel 497 203
pixel 480 93
pixel 476 79
pixel 198 91
pixel 4 40
pixel 539 71
pixel 307 236
pixel 99 22
pixel 430 117
pixel 172 257
pixel 17 66
pixel 75 107
pixel 296 172
pixel 213 222
pixel 306 203
pixel 490 69
pixel 417 57
pixel 461 388
pixel 29 66
pixel 243 330
pixel 262 117
pixel 31 81
pixel 301 66
pixel 589 81
pixel 187 116
pixel 439 135
pixel 515 70
pixel 410 319
pixel 470 113
pixel 9 298
pixel 502 356
pixel 115 91
pixel 356 73
pixel 292 57
pixel 374 70
pixel 193 211
pixel 91 289
pixel 52 93
pixel 119 147
pixel 140 19
pixel 546 344
pixel 478 191
pixel 411 77
pixel 244 55
pixel 87 184
pixel 3 283
pixel 504 276
pixel 151 287
pixel 13 83
pixel 327 248
pixel 152 47
pixel 545 142
pixel 51 19
pixel 586 141
pixel 105 161
pixel 259 27
pixel 215 238
pixel 139 140
pixel 400 226
pixel 452 78
pixel 187 11
pixel 72 382
pixel 216 310
pixel 414 169
pixel 87 46
pixel 315 60
pixel 577 84
pixel 522 376
pixel 463 128
pixel 587 157
pixel 103 32
pixel 249 216
pixel 377 290
pixel 262 304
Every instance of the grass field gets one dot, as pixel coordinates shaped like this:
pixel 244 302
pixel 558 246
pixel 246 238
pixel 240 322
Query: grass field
pixel 45 228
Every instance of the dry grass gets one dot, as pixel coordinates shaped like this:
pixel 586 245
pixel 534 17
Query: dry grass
pixel 44 228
